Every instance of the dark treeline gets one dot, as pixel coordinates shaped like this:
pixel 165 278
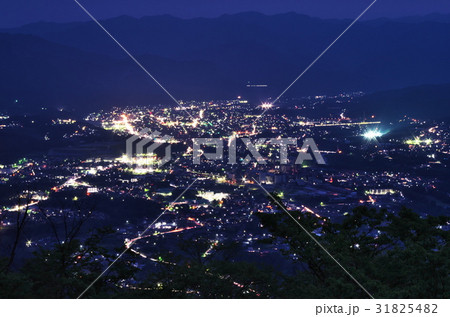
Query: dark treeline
pixel 393 255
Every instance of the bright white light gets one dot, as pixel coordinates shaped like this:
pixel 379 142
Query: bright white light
pixel 266 106
pixel 372 134
pixel 211 196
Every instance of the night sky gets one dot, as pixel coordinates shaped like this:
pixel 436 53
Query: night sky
pixel 19 12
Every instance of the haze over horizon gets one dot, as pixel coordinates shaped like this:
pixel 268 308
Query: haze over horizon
pixel 20 12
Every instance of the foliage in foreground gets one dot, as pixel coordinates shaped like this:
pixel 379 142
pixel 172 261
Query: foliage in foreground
pixel 398 255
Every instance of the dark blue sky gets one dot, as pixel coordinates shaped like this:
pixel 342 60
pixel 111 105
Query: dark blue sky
pixel 18 12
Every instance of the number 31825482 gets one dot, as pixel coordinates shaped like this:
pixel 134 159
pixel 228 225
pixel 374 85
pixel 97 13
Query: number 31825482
pixel 407 308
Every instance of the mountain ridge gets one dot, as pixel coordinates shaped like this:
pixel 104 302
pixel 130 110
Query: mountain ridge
pixel 215 58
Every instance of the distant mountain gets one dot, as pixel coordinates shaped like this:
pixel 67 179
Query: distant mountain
pixel 77 64
pixel 36 72
pixel 434 17
pixel 428 102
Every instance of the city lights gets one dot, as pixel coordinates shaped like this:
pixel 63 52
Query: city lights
pixel 419 141
pixel 266 106
pixel 372 134
pixel 221 205
pixel 284 165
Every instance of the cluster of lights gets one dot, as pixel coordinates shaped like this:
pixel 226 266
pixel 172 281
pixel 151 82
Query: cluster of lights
pixel 418 141
pixel 266 106
pixel 211 196
pixel 372 134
